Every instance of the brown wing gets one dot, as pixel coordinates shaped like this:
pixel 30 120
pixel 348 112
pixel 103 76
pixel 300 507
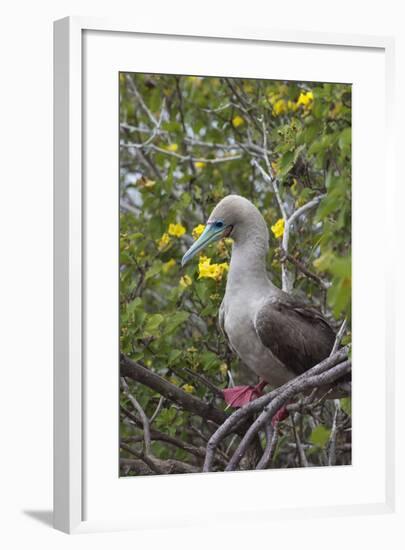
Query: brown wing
pixel 296 334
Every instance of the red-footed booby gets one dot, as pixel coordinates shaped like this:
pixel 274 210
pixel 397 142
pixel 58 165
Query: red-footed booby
pixel 275 335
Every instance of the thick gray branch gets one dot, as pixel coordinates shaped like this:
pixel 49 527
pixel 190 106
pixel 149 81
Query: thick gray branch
pixel 259 404
pixel 138 373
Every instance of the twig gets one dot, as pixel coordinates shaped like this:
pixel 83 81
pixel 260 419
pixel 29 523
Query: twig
pixel 220 108
pixel 181 157
pixel 321 282
pixel 301 452
pixel 140 100
pixel 333 434
pixel 125 206
pixel 242 105
pixel 339 336
pixel 183 122
pixel 141 412
pixel 271 442
pixel 299 212
pixel 217 391
pixel 141 130
pixel 157 410
pixel 267 177
pixel 168 466
pixel 157 435
pixel 155 130
pixel 249 146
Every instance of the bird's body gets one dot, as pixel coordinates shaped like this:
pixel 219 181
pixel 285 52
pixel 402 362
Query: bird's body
pixel 237 319
pixel 275 335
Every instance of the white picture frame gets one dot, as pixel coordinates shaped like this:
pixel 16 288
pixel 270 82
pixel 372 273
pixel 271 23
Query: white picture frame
pixel 71 247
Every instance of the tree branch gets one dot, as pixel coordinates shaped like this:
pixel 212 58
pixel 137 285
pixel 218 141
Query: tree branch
pixel 137 372
pixel 139 98
pixel 288 391
pixel 157 435
pixel 301 267
pixel 180 157
pixel 141 412
pixel 295 386
pixel 339 336
pixel 271 443
pixel 287 283
pixel 159 466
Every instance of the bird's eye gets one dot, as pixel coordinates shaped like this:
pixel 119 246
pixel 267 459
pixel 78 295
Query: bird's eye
pixel 219 224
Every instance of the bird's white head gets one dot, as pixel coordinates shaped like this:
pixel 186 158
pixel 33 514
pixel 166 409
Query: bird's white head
pixel 236 217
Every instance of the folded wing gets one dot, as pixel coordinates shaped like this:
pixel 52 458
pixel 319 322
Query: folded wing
pixel 297 334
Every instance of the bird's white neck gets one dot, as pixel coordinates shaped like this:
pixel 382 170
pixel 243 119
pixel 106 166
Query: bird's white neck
pixel 248 265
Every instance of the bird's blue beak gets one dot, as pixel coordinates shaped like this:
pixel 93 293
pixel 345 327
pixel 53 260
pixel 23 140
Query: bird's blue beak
pixel 210 234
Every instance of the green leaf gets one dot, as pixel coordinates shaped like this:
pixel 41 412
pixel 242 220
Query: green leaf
pixel 174 355
pixel 345 138
pixel 320 436
pixel 208 359
pixel 154 270
pixel 341 267
pixel 324 261
pixel 135 304
pixel 346 405
pixel 174 321
pixel 153 322
pixel 137 356
pixel 339 296
pixel 286 163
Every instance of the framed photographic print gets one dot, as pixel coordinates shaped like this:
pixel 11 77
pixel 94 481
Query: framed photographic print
pixel 213 271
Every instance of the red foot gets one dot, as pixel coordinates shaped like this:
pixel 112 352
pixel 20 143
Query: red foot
pixel 241 395
pixel 280 415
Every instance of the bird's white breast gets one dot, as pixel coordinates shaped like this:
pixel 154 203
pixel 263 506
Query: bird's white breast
pixel 239 317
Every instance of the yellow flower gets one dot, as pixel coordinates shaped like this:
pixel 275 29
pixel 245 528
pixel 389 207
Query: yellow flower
pixel 163 241
pixel 205 268
pixel 278 228
pixel 145 182
pixel 198 230
pixel 199 165
pixel 188 388
pixel 280 107
pixel 168 265
pixel 185 281
pixel 176 230
pixel 211 271
pixel 237 121
pixel 172 147
pixel 305 99
pixel 291 106
pixel 223 369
